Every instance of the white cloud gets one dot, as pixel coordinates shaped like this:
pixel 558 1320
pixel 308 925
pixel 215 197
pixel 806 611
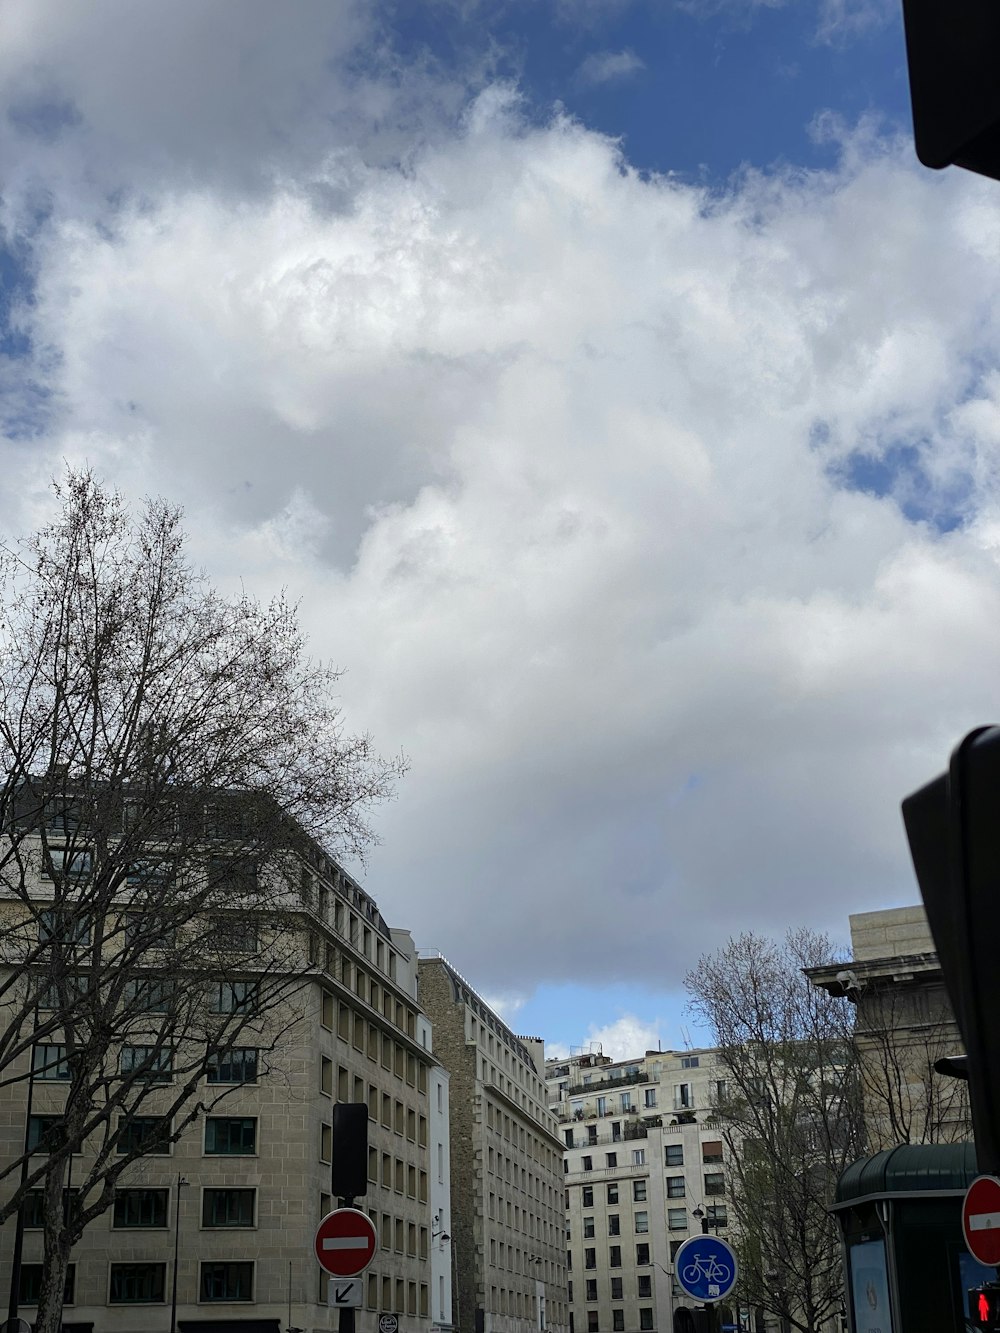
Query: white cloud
pixel 609 67
pixel 626 1038
pixel 551 452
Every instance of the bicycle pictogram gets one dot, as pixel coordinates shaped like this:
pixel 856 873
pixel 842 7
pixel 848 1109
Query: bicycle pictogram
pixel 708 1269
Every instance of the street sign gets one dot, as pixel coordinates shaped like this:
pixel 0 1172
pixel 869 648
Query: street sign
pixel 345 1293
pixel 981 1219
pixel 15 1326
pixel 706 1268
pixel 345 1242
pixel 387 1323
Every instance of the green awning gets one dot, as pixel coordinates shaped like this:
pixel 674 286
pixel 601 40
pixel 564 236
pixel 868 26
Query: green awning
pixel 912 1168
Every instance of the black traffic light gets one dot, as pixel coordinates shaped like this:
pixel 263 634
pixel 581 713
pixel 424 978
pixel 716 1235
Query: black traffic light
pixel 687 1320
pixel 953 825
pixel 984 1306
pixel 953 53
pixel 350 1150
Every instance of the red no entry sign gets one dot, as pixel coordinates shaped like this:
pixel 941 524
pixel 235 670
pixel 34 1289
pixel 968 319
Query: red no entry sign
pixel 981 1219
pixel 345 1242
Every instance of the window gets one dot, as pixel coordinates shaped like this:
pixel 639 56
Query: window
pixel 626 1102
pixel 237 934
pixel 615 1256
pixel 34 1207
pixel 602 1106
pixel 639 1191
pixel 718 1213
pixel 146 1133
pixel 227 1281
pixel 682 1096
pixel 146 929
pixel 588 1196
pixel 715 1183
pixel 616 1289
pixel 711 1151
pixel 237 1065
pixel 30 1285
pixel 590 1258
pixel 155 1063
pixel 73 864
pixel 675 1154
pixel 568 1136
pixel 720 1092
pixel 592 1324
pixel 638 1156
pixel 150 995
pixel 645 1317
pixel 56 924
pixel 230 1136
pixel 137 1284
pixel 689 1061
pixel 618 1320
pixel 612 1194
pixel 614 1224
pixel 234 997
pixel 645 1285
pixel 642 1253
pixel 588 1164
pixel 642 1223
pixel 610 1159
pixel 675 1187
pixel 44 1132
pixel 152 871
pixel 49 1062
pixel 649 1097
pixel 140 1208
pixel 591 1288
pixel 588 1228
pixel 677 1219
pixel 227 1208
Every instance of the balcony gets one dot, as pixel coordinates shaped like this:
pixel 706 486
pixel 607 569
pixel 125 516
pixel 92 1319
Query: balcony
pixel 610 1083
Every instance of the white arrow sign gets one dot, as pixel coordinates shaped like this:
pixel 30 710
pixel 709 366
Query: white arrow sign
pixel 345 1293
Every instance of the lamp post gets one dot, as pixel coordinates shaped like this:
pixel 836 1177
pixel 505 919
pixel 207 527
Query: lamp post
pixel 181 1182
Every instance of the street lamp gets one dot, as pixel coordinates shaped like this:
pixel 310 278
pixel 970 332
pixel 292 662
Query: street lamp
pixel 181 1182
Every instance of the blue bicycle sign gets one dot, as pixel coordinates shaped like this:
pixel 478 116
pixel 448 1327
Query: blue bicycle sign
pixel 706 1268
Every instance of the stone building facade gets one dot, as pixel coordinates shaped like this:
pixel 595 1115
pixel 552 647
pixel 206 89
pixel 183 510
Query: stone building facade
pixel 903 1024
pixel 239 1195
pixel 643 1167
pixel 507 1220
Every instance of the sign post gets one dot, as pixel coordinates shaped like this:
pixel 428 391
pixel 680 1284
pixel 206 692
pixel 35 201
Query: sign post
pixel 705 1268
pixel 345 1245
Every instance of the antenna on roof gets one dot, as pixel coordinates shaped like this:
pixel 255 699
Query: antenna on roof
pixel 686 1038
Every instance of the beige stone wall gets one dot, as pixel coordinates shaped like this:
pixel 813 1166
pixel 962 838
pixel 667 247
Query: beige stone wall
pixel 506 1167
pixel 351 1037
pixel 895 932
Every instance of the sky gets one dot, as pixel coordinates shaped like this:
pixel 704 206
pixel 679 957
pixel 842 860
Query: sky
pixel 612 388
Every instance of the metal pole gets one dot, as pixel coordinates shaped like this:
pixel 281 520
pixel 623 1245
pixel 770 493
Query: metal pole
pixel 346 1322
pixel 15 1264
pixel 181 1182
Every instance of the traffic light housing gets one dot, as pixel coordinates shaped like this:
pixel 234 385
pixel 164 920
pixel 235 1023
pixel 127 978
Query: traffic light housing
pixel 984 1306
pixel 350 1150
pixel 953 53
pixel 953 826
pixel 687 1320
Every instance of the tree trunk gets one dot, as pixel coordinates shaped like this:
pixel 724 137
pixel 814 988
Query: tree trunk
pixel 56 1251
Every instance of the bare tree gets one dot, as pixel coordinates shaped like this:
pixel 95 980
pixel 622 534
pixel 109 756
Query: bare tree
pixel 901 1030
pixel 172 761
pixel 789 1115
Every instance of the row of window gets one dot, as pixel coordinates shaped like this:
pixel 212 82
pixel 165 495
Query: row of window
pixel 639 1190
pixel 148 1207
pixel 644 1288
pixel 225 1136
pixel 153 1063
pixel 145 1283
pixel 640 1220
pixel 390 1294
pixel 237 933
pixel 637 1157
pixel 617 1320
pixel 614 1256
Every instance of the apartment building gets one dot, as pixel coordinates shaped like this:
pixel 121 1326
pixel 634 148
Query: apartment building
pixel 215 1231
pixel 644 1170
pixel 507 1221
